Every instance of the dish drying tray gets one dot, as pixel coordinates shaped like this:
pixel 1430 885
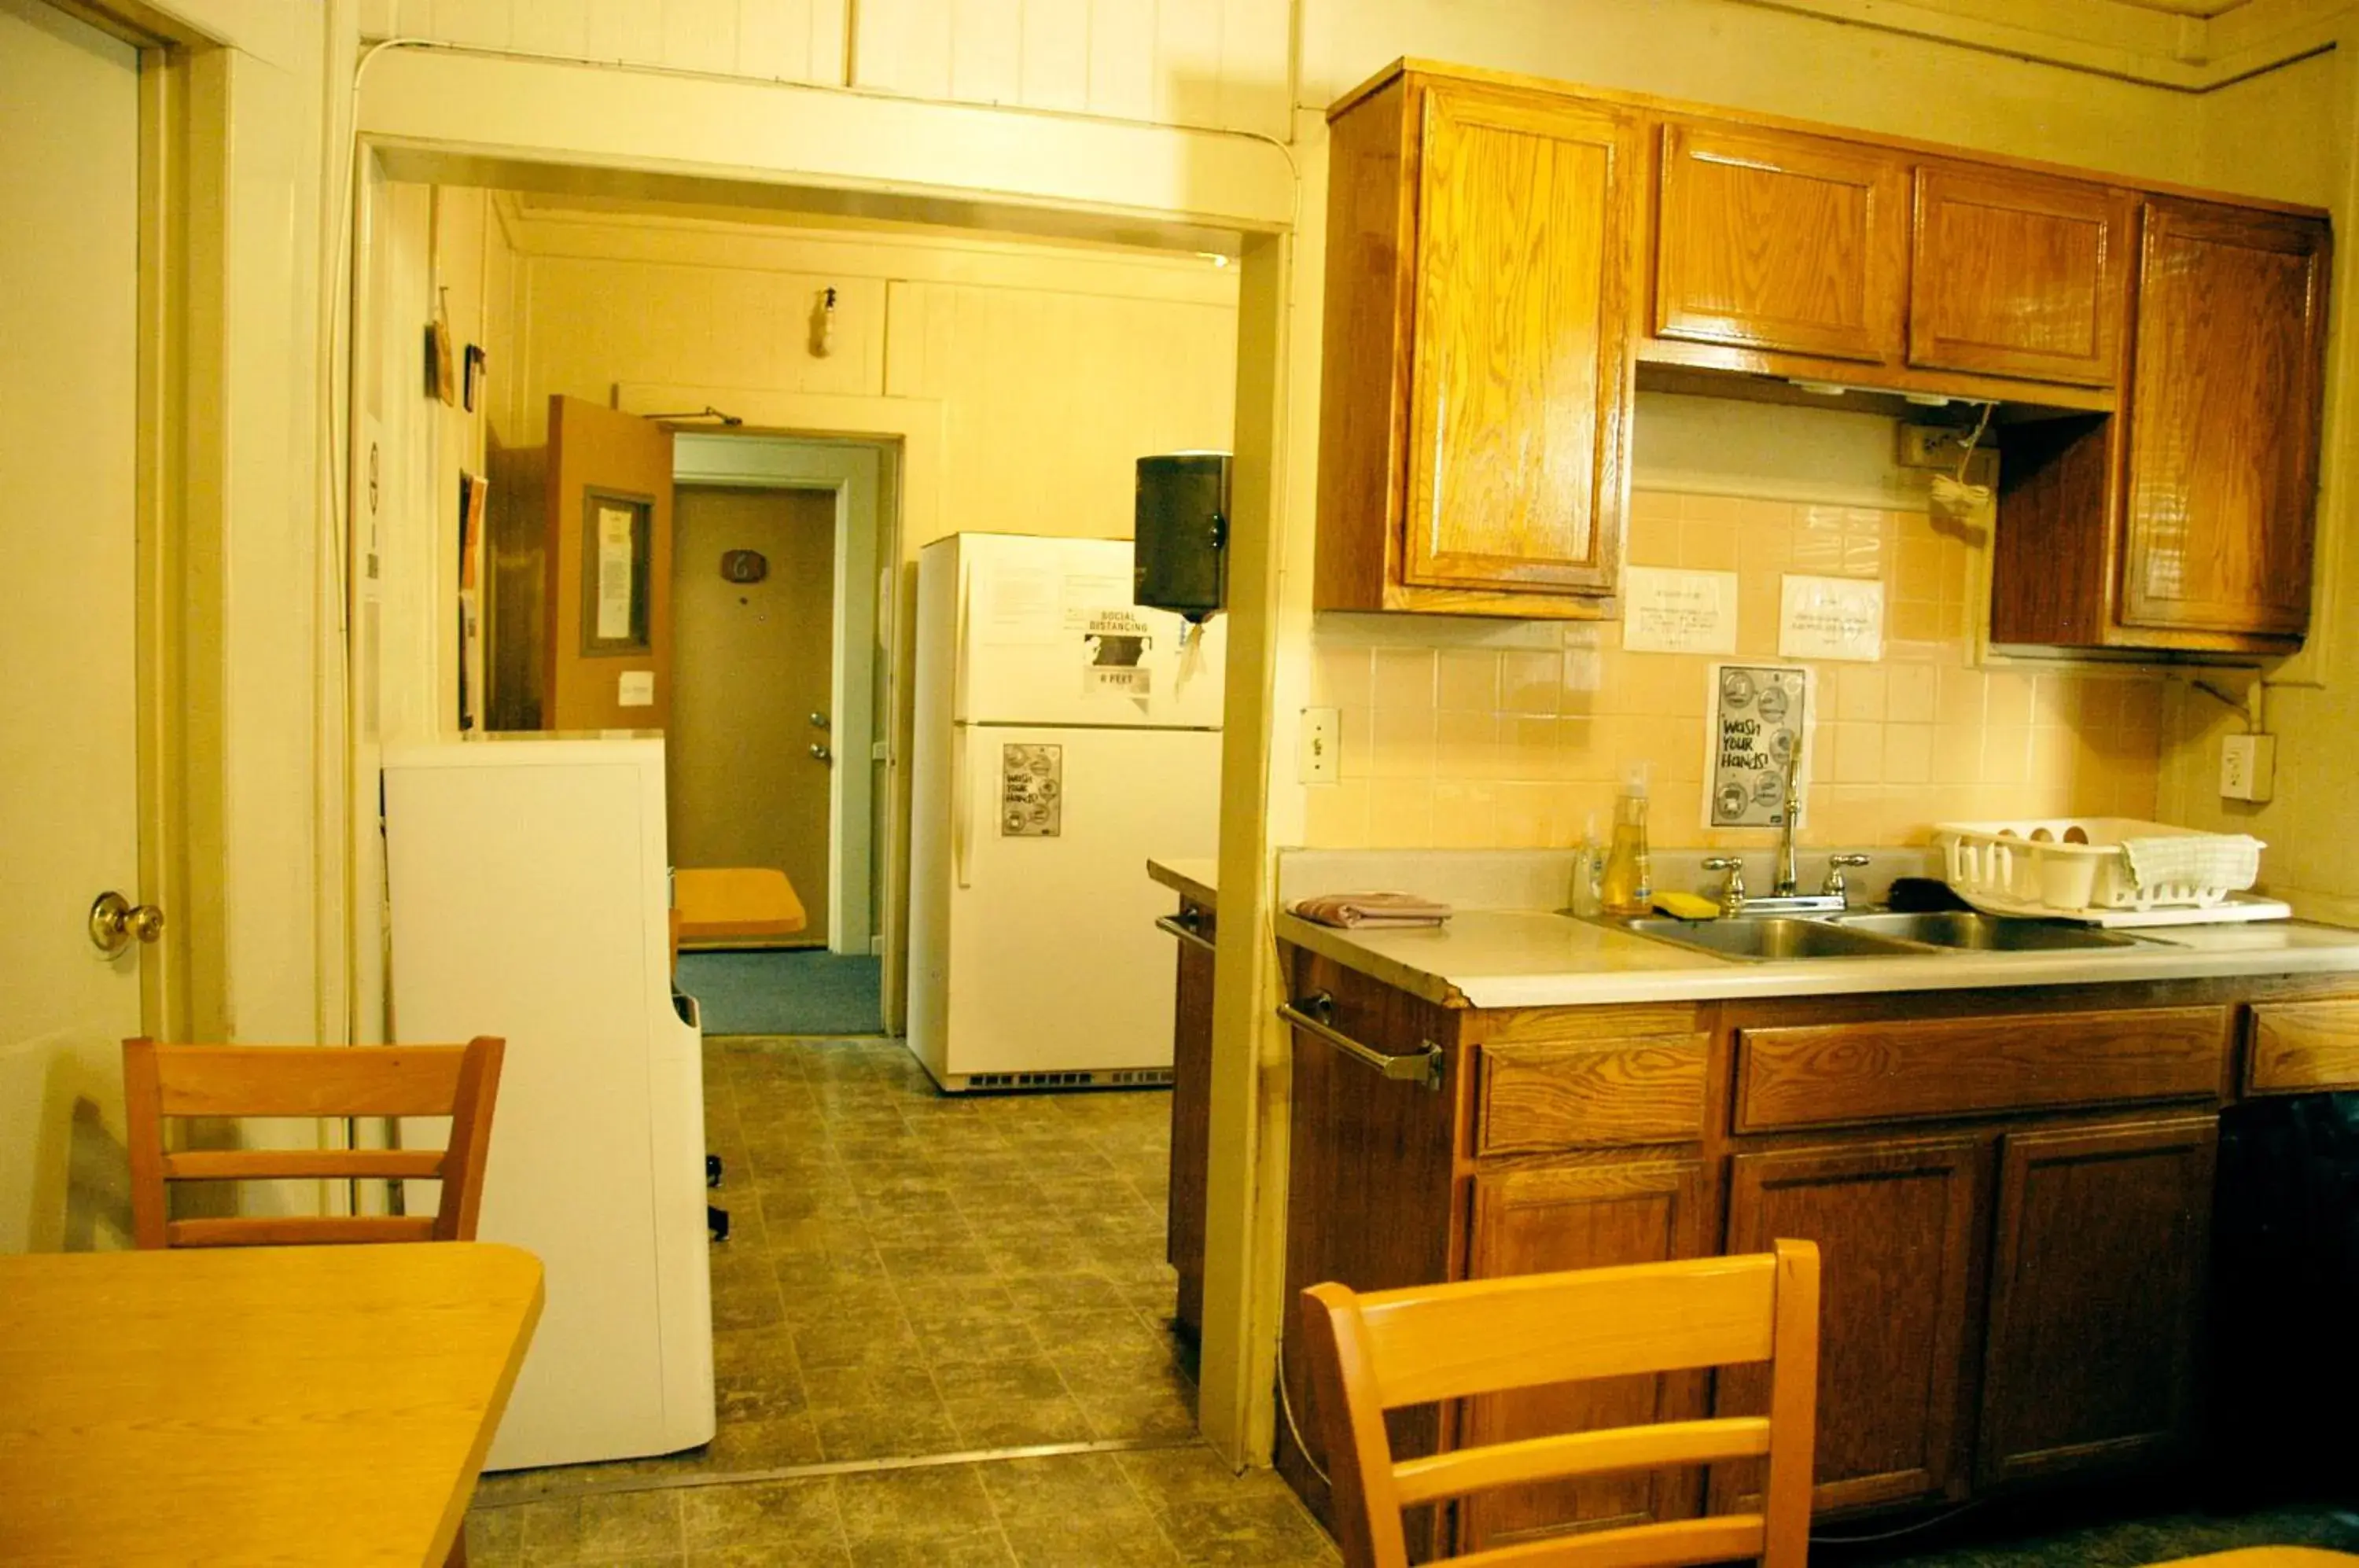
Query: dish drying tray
pixel 2074 869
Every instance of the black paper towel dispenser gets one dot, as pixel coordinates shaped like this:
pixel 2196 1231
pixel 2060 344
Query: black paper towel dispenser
pixel 1180 538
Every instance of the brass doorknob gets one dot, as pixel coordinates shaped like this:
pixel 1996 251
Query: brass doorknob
pixel 115 922
pixel 822 753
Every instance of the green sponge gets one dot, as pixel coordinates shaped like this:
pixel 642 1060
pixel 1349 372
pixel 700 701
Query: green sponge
pixel 1687 905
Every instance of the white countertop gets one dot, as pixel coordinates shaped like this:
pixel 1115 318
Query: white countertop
pixel 1530 958
pixel 1195 880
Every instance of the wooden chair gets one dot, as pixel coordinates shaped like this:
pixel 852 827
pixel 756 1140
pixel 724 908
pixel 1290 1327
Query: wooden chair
pixel 1373 1353
pixel 2267 1557
pixel 456 1081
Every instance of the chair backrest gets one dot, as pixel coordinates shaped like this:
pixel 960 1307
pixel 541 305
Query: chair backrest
pixel 1372 1353
pixel 165 1081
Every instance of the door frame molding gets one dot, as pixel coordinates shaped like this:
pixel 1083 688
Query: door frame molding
pixel 852 473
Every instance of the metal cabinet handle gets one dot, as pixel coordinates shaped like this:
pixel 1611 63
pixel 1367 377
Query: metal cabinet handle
pixel 1186 932
pixel 1310 1014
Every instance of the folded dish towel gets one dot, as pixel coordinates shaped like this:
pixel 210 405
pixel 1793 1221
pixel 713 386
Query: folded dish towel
pixel 1353 910
pixel 2208 860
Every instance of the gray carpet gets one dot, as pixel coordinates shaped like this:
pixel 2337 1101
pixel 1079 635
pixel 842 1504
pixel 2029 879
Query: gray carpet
pixel 804 992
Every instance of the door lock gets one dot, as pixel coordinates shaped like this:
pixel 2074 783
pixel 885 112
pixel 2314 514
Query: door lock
pixel 818 721
pixel 115 922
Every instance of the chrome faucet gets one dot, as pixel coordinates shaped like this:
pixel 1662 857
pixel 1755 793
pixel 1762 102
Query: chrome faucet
pixel 1732 891
pixel 1787 883
pixel 1835 887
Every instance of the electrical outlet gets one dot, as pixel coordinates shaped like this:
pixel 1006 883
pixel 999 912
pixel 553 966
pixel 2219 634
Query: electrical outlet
pixel 1321 730
pixel 2247 766
pixel 1930 446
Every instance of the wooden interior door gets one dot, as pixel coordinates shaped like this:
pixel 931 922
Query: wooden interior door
pixel 603 463
pixel 1538 1220
pixel 2097 1294
pixel 2224 421
pixel 2019 275
pixel 755 661
pixel 1522 377
pixel 72 639
pixel 1895 1224
pixel 1783 242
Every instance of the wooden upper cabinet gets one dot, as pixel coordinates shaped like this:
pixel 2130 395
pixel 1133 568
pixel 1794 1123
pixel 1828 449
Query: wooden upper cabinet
pixel 1780 243
pixel 2223 421
pixel 2019 275
pixel 1478 376
pixel 1519 408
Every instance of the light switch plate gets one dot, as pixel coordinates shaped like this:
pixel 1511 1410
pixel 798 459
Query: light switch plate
pixel 2248 766
pixel 1321 732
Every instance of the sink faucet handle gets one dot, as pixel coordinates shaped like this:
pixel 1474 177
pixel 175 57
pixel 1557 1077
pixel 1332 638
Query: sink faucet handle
pixel 1732 891
pixel 1835 887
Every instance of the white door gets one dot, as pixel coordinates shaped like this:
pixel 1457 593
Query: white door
pixel 69 283
pixel 1055 963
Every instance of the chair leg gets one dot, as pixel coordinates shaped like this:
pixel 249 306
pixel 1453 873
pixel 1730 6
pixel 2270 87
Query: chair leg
pixel 458 1558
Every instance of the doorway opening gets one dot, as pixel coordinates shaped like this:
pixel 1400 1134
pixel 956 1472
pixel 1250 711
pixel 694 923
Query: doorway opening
pixel 772 760
pixel 909 1274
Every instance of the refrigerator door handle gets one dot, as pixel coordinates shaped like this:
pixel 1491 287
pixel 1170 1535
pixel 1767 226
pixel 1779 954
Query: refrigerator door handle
pixel 961 809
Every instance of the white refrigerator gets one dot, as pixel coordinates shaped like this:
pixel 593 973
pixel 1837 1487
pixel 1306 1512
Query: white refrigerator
pixel 1063 735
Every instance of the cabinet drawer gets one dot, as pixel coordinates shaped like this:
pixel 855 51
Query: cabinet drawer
pixel 1592 1095
pixel 1823 1075
pixel 2299 1046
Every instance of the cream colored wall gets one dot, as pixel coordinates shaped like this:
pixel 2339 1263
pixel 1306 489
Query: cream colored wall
pixel 1054 367
pixel 1209 63
pixel 1520 737
pixel 429 245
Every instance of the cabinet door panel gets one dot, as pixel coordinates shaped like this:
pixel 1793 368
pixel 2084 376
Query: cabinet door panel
pixel 1192 1118
pixel 1540 1219
pixel 1778 241
pixel 2019 275
pixel 2224 421
pixel 1895 1225
pixel 1521 376
pixel 2095 1295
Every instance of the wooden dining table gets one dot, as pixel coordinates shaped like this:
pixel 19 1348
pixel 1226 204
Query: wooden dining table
pixel 279 1405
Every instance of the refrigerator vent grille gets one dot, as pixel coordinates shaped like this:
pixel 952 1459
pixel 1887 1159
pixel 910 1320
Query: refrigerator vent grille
pixel 1122 1078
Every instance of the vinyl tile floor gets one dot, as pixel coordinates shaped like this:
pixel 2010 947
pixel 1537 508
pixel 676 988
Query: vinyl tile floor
pixel 911 1274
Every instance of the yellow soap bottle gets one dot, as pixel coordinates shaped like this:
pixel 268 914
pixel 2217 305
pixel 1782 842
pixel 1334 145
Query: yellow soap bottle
pixel 1628 886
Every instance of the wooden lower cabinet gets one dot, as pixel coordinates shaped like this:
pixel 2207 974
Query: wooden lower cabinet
pixel 1192 1116
pixel 1894 1223
pixel 1541 1218
pixel 2097 1274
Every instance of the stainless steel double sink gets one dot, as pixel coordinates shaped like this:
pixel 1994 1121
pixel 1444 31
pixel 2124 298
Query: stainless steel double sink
pixel 1769 939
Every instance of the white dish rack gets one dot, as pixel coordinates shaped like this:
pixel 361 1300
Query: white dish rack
pixel 2075 868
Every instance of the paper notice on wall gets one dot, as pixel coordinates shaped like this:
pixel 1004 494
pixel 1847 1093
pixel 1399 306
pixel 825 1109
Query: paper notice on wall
pixel 613 574
pixel 637 689
pixel 1678 612
pixel 1832 617
pixel 1760 715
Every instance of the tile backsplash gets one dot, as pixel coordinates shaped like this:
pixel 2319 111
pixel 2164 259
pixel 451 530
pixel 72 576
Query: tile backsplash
pixel 1511 734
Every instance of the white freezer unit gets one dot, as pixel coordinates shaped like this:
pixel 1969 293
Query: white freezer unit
pixel 1062 736
pixel 528 885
